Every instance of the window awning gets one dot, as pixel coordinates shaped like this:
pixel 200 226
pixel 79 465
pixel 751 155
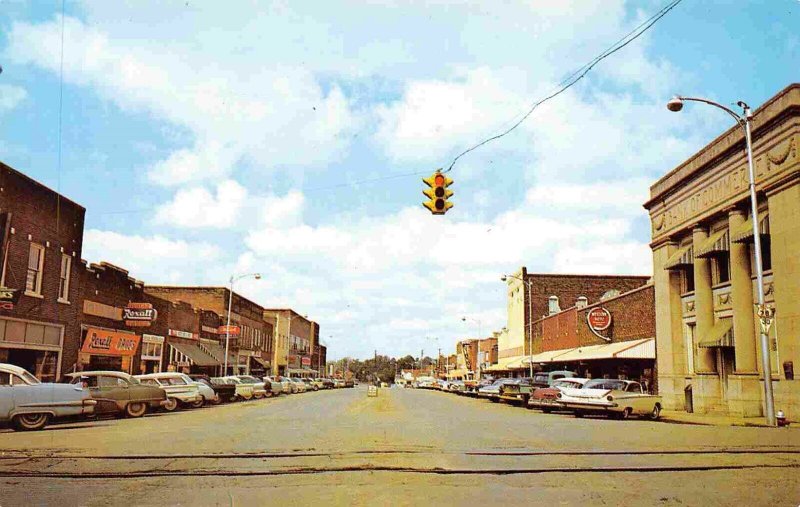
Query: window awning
pixel 681 259
pixel 721 335
pixel 643 348
pixel 717 243
pixel 507 363
pixel 217 351
pixel 260 361
pixel 194 354
pixel 745 233
pixel 546 357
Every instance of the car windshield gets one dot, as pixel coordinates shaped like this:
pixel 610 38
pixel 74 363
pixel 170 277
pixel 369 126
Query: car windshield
pixel 600 383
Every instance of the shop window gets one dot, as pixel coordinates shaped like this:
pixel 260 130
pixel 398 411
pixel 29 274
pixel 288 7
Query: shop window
pixel 687 280
pixel 63 283
pixel 33 280
pixel 766 255
pixel 721 269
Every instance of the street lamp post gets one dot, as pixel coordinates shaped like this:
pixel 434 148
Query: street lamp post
pixel 529 283
pixel 477 346
pixel 233 279
pixel 743 120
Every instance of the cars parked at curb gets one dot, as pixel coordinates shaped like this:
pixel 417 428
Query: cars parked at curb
pixel 273 387
pixel 299 385
pixel 517 392
pixel 181 390
pixel 259 388
pixel 547 378
pixel 29 404
pixel 616 398
pixel 119 393
pixel 242 390
pixel 546 398
pixel 492 391
pixel 222 392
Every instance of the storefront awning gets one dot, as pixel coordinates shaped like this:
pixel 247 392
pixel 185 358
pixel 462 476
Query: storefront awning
pixel 195 355
pixel 721 335
pixel 260 361
pixel 717 243
pixel 217 351
pixel 644 348
pixel 745 233
pixel 507 363
pixel 545 357
pixel 681 259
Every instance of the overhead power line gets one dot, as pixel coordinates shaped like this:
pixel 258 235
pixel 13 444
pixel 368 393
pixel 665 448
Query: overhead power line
pixel 577 75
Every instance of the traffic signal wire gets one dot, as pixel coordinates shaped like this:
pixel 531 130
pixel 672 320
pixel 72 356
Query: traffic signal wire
pixel 577 75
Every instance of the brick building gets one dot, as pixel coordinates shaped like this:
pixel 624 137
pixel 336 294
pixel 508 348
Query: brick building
pixel 468 360
pixel 252 348
pixel 295 340
pixel 41 237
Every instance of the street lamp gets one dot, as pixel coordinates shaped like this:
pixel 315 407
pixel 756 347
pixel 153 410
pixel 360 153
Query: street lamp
pixel 743 120
pixel 529 283
pixel 233 279
pixel 478 346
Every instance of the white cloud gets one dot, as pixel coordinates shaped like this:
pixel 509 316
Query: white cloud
pixel 155 259
pixel 11 96
pixel 196 207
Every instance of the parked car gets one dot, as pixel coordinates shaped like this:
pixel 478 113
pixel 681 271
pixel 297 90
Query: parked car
pixel 119 393
pixel 546 398
pixel 617 398
pixel 442 385
pixel 471 387
pixel 493 391
pixel 312 384
pixel 30 404
pixel 299 384
pixel 326 383
pixel 350 383
pixel 426 384
pixel 181 390
pixel 273 387
pixel 547 378
pixel 517 392
pixel 242 390
pixel 259 388
pixel 457 386
pixel 225 391
pixel 338 383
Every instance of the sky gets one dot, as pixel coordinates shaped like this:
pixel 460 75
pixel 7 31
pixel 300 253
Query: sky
pixel 213 138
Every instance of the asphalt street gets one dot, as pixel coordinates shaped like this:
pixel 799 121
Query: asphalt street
pixel 403 447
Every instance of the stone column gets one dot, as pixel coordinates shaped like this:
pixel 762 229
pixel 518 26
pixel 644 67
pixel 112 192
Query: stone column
pixel 704 304
pixel 742 299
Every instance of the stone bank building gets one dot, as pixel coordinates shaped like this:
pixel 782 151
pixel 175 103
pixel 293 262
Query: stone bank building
pixel 702 241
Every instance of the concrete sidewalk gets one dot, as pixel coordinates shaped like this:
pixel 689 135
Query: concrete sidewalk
pixel 680 417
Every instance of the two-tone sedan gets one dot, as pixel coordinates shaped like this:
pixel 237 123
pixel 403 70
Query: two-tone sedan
pixel 259 387
pixel 181 390
pixel 30 404
pixel 119 393
pixel 616 398
pixel 546 398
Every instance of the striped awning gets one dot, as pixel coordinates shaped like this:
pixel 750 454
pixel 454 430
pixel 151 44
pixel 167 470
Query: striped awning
pixel 642 348
pixel 717 243
pixel 745 233
pixel 507 363
pixel 681 259
pixel 721 335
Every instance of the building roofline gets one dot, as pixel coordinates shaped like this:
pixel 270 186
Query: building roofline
pixel 201 287
pixel 707 155
pixel 595 304
pixel 39 184
pixel 566 275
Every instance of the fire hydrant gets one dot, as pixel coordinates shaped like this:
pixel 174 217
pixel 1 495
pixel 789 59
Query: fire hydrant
pixel 781 418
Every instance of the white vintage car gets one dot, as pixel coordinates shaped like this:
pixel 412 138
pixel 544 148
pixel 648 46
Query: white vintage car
pixel 30 404
pixel 179 389
pixel 618 398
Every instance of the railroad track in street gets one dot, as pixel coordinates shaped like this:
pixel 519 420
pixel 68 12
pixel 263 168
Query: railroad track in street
pixel 19 464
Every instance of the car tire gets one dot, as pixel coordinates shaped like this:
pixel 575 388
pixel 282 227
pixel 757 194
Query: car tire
pixel 199 403
pixel 30 422
pixel 258 396
pixel 171 405
pixel 547 410
pixel 135 409
pixel 579 413
pixel 656 413
pixel 625 414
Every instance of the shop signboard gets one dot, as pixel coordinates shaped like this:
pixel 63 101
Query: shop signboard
pixel 110 343
pixel 599 319
pixel 305 361
pixel 293 361
pixel 183 334
pixel 139 314
pixel 232 330
pixel 8 298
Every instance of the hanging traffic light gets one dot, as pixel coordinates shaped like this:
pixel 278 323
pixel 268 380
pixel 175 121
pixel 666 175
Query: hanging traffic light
pixel 438 194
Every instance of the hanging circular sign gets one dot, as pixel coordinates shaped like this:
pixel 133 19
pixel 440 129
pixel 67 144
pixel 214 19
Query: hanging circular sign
pixel 599 319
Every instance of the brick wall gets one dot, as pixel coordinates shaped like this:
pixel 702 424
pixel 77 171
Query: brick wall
pixel 633 316
pixel 556 332
pixel 33 209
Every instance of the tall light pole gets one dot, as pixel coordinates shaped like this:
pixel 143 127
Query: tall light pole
pixel 477 346
pixel 233 279
pixel 743 120
pixel 529 283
